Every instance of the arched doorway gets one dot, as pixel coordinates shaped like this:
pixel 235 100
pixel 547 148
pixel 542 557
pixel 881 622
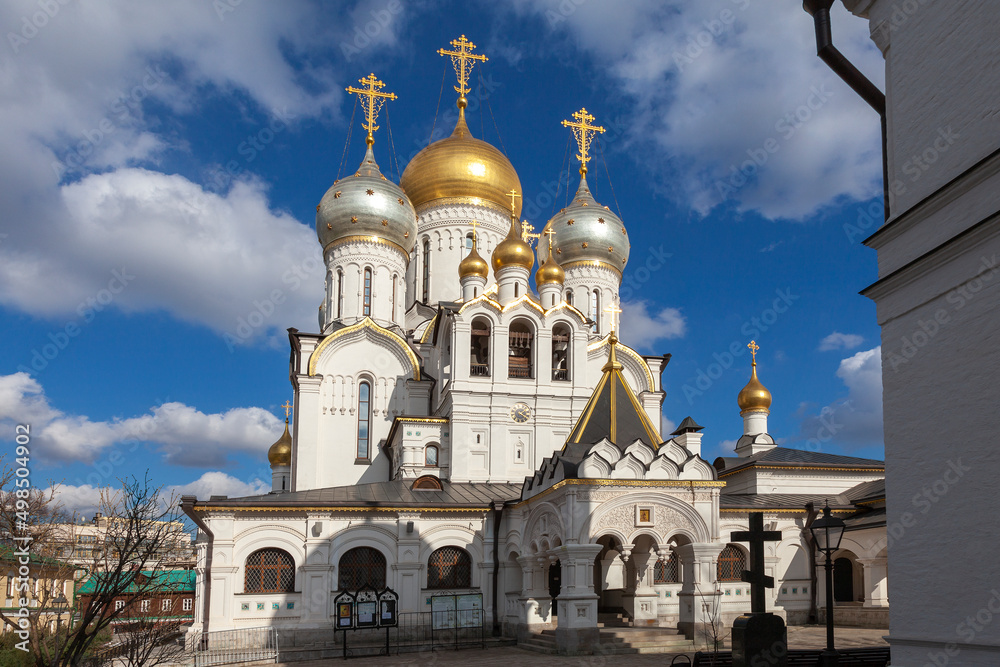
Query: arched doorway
pixel 843 580
pixel 555 584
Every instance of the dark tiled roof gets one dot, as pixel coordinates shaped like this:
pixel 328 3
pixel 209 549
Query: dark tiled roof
pixel 396 493
pixel 866 491
pixel 787 457
pixel 687 425
pixel 777 501
pixel 613 412
pixel 866 519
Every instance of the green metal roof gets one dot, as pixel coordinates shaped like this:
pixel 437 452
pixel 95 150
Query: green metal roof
pixel 171 581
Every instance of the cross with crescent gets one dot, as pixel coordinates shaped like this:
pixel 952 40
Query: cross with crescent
pixel 462 59
pixel 373 99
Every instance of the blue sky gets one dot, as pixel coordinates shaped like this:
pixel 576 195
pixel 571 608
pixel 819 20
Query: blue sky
pixel 160 166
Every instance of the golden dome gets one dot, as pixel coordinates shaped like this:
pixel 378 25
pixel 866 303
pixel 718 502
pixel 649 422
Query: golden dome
pixel 754 396
pixel 462 169
pixel 549 272
pixel 280 453
pixel 513 251
pixel 473 265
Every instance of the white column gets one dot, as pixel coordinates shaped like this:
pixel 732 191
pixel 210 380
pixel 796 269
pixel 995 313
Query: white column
pixel 536 605
pixel 472 287
pixel 875 582
pixel 511 280
pixel 699 598
pixel 577 630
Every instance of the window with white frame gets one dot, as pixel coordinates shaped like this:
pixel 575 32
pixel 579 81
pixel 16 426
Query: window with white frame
pixel 188 602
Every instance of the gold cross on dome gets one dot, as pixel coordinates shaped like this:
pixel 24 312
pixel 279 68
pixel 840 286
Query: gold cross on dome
pixel 513 195
pixel 614 310
pixel 288 408
pixel 550 233
pixel 373 98
pixel 583 132
pixel 463 60
pixel 526 232
pixel 753 351
pixel 475 242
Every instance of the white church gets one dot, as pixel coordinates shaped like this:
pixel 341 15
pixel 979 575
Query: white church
pixel 460 428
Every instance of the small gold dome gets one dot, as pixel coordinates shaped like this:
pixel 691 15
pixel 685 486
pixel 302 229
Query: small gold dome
pixel 461 168
pixel 550 272
pixel 473 265
pixel 280 453
pixel 754 396
pixel 513 251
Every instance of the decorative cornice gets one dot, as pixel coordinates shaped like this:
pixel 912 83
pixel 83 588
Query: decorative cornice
pixel 459 201
pixel 802 467
pixel 593 263
pixel 337 508
pixel 366 323
pixel 374 240
pixel 655 483
pixel 484 299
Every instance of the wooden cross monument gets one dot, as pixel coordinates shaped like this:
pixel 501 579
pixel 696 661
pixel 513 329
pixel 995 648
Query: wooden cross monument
pixel 755 576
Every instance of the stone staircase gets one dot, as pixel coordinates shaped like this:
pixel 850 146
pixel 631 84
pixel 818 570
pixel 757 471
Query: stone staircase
pixel 619 637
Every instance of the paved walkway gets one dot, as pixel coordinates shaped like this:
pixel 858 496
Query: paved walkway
pixel 799 637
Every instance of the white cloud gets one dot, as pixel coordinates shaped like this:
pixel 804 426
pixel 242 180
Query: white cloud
pixel 719 83
pixel 667 426
pixel 75 97
pixel 840 341
pixel 185 435
pixel 84 500
pixel 640 329
pixel 856 419
pixel 140 240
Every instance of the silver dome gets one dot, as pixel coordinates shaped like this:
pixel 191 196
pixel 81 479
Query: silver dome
pixel 366 204
pixel 585 231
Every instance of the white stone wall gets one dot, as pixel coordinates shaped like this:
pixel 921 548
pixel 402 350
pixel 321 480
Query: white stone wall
pixel 937 303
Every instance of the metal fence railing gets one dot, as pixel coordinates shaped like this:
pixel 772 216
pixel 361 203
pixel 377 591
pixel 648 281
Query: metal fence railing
pixel 417 631
pixel 231 646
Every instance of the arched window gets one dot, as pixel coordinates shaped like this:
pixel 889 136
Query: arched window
pixel 569 297
pixel 366 308
pixel 732 562
pixel 431 456
pixel 665 571
pixel 340 292
pixel 519 353
pixel 364 417
pixel 479 355
pixel 560 352
pixel 516 290
pixel 269 571
pixel 427 270
pixel 468 245
pixel 360 567
pixel 595 311
pixel 449 567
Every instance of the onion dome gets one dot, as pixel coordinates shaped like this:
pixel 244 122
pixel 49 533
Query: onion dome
pixel 473 265
pixel 461 169
pixel 513 251
pixel 550 272
pixel 587 232
pixel 366 205
pixel 754 396
pixel 280 453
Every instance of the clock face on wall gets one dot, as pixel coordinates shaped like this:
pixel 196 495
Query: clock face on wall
pixel 520 412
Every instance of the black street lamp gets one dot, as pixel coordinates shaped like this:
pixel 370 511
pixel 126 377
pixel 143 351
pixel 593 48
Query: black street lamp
pixel 826 534
pixel 60 604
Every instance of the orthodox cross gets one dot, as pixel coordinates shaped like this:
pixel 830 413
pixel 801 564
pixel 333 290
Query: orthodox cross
pixel 462 59
pixel 526 232
pixel 551 234
pixel 513 204
pixel 373 99
pixel 755 576
pixel 288 408
pixel 614 310
pixel 475 241
pixel 583 132
pixel 753 351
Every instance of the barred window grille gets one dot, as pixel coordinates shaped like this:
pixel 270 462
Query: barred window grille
pixel 732 562
pixel 360 567
pixel 269 571
pixel 665 571
pixel 449 567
